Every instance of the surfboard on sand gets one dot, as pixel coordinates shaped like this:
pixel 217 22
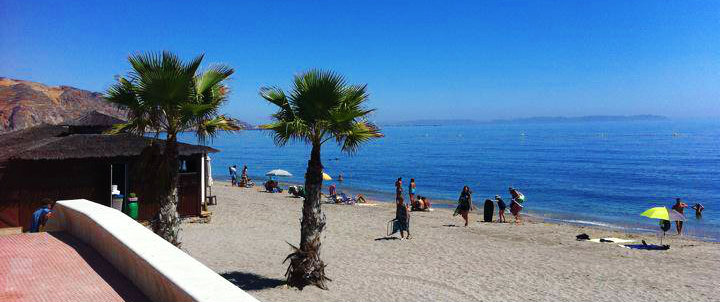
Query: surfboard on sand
pixel 488 211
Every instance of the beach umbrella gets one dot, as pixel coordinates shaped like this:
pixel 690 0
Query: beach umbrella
pixel 326 176
pixel 665 216
pixel 278 173
pixel 663 213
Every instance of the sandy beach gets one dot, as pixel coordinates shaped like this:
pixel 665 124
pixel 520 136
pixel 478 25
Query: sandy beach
pixel 246 241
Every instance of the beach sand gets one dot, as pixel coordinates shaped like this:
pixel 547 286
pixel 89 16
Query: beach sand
pixel 536 261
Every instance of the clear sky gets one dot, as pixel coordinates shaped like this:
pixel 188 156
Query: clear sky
pixel 436 59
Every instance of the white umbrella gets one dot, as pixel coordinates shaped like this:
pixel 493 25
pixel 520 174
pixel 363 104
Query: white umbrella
pixel 279 173
pixel 208 172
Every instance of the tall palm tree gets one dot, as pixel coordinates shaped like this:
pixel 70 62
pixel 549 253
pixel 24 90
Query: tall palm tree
pixel 321 107
pixel 163 94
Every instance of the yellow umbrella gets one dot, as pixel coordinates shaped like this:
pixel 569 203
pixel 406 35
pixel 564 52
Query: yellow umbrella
pixel 326 176
pixel 657 213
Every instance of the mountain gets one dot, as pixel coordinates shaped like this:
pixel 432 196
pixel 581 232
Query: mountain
pixel 538 119
pixel 25 104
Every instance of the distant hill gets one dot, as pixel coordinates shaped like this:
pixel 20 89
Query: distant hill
pixel 25 104
pixel 539 119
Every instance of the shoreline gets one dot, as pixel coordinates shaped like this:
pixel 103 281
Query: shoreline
pixel 531 213
pixel 247 240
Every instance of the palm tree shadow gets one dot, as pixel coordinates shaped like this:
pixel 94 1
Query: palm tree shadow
pixel 250 281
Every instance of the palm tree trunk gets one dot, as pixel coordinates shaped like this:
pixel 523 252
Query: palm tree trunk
pixel 167 224
pixel 306 268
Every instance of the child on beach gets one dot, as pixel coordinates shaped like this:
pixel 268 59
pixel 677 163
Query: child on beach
pixel 464 204
pixel 402 218
pixel 501 208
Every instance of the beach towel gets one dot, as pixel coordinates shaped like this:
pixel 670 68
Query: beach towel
pixel 651 247
pixel 611 240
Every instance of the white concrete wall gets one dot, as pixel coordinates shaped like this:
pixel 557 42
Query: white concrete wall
pixel 159 269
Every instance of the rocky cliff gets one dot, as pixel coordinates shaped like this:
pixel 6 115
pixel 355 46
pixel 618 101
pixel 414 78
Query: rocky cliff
pixel 25 104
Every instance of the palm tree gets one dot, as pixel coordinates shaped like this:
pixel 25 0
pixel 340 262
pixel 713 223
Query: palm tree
pixel 164 94
pixel 321 107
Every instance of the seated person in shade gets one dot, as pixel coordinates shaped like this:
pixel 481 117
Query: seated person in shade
pixel 41 215
pixel 272 186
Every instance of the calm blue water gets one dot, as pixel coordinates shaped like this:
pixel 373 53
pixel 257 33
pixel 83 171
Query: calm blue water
pixel 588 173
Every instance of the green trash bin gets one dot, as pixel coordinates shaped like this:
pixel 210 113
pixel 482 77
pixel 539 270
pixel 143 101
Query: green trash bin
pixel 132 206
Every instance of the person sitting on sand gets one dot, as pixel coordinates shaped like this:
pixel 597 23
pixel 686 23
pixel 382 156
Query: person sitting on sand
pixel 679 207
pixel 698 210
pixel 464 204
pixel 360 198
pixel 402 218
pixel 501 208
pixel 515 204
pixel 41 215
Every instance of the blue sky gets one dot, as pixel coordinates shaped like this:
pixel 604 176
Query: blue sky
pixel 421 59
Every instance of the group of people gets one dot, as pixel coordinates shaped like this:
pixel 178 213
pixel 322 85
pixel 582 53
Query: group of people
pixel 341 197
pixel 243 180
pixel 465 204
pixel 680 206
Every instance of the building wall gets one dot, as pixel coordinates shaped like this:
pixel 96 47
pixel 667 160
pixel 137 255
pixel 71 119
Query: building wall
pixel 26 183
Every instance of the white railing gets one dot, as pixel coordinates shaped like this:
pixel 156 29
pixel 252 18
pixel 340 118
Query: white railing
pixel 160 270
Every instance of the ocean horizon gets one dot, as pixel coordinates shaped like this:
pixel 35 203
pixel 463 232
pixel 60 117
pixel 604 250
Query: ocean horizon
pixel 590 173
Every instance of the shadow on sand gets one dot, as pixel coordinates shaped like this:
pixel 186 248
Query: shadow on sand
pixel 386 238
pixel 450 225
pixel 250 281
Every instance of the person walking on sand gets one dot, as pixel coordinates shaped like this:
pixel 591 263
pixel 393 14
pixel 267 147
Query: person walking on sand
pixel 501 208
pixel 516 203
pixel 679 207
pixel 233 174
pixel 402 218
pixel 398 188
pixel 464 204
pixel 411 192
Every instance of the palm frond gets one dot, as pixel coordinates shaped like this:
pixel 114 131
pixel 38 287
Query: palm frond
pixel 208 129
pixel 360 133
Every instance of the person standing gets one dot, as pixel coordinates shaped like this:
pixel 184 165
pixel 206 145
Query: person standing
pixel 679 207
pixel 698 207
pixel 402 218
pixel 243 176
pixel 233 174
pixel 516 203
pixel 464 204
pixel 501 208
pixel 411 192
pixel 398 188
pixel 41 215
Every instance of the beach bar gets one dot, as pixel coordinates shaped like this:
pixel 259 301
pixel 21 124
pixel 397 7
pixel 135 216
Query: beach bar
pixel 77 161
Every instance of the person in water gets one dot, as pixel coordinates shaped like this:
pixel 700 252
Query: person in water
pixel 515 204
pixel 411 192
pixel 340 177
pixel 679 207
pixel 41 215
pixel 402 218
pixel 464 204
pixel 698 210
pixel 501 208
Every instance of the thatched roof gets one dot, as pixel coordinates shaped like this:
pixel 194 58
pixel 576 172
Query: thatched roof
pixel 96 118
pixel 54 142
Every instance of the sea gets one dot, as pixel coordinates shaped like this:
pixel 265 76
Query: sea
pixel 600 174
